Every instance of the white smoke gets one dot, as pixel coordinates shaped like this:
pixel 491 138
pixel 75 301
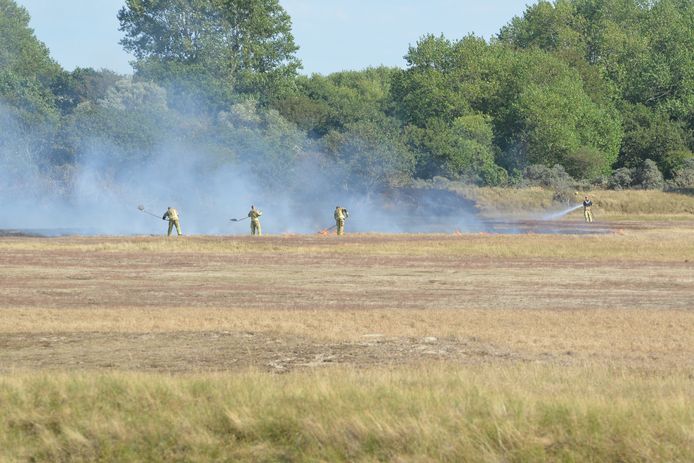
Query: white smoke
pixel 297 190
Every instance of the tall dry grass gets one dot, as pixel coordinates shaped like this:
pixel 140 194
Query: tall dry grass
pixel 494 200
pixel 607 203
pixel 435 413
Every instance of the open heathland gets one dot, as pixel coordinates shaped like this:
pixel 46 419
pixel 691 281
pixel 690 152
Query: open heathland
pixel 461 347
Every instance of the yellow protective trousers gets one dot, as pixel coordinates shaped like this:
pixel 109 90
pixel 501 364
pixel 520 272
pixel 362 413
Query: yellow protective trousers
pixel 587 214
pixel 172 224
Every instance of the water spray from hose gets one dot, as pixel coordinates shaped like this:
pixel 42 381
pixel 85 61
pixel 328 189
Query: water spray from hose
pixel 560 214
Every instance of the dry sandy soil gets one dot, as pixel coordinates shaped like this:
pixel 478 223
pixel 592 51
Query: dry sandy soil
pixel 288 302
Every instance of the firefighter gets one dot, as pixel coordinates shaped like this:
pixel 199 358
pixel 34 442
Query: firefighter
pixel 254 215
pixel 340 215
pixel 171 215
pixel 587 213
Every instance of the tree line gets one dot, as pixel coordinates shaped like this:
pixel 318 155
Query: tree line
pixel 599 91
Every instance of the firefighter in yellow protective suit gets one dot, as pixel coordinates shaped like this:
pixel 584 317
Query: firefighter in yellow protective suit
pixel 340 215
pixel 171 215
pixel 254 215
pixel 587 213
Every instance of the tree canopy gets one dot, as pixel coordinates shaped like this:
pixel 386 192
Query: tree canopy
pixel 601 90
pixel 213 47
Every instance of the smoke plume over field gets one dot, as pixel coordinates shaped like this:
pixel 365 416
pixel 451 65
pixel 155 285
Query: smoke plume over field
pixel 266 163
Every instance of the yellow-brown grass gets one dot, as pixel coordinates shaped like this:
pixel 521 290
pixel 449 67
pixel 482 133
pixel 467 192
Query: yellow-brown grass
pixel 598 331
pixel 670 244
pixel 433 413
pixel 607 203
pixel 662 339
pixel 492 200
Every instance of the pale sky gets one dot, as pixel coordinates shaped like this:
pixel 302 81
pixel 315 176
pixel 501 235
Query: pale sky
pixel 333 35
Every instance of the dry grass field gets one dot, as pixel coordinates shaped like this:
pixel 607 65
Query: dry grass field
pixel 472 347
pixel 608 204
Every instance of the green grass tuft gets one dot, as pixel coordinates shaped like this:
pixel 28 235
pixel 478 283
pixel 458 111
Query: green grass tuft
pixel 437 413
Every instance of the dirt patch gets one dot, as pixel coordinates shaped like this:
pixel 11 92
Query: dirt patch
pixel 225 350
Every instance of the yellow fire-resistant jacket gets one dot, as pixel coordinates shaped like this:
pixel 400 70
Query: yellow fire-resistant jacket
pixel 340 213
pixel 171 214
pixel 254 214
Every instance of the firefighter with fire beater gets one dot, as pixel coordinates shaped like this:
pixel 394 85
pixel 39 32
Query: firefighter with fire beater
pixel 254 214
pixel 340 215
pixel 171 215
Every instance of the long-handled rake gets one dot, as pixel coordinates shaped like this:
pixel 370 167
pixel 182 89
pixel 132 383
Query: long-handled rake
pixel 237 220
pixel 142 209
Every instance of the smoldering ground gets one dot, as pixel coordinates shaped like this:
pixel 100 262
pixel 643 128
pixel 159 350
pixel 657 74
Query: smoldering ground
pixel 295 185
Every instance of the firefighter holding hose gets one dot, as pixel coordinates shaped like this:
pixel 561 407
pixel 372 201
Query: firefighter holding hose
pixel 587 213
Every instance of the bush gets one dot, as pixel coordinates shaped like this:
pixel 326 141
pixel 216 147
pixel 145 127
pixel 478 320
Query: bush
pixel 684 176
pixel 586 162
pixel 674 160
pixel 564 195
pixel 555 177
pixel 621 179
pixel 599 183
pixel 649 176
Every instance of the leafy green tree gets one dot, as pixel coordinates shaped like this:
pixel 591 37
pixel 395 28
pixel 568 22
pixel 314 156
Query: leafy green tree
pixel 442 98
pixel 21 53
pixel 644 46
pixel 461 150
pixel 651 134
pixel 565 29
pixel 261 140
pixel 373 156
pixel 26 69
pixel 546 25
pixel 82 85
pixel 674 160
pixel 213 47
pixel 325 103
pixel 640 50
pixel 558 123
pixel 28 99
pixel 28 114
pixel 435 85
pixel 128 125
pixel 538 108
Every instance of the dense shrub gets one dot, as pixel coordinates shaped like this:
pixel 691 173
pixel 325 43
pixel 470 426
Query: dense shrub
pixel 555 177
pixel 684 175
pixel 621 179
pixel 649 177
